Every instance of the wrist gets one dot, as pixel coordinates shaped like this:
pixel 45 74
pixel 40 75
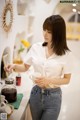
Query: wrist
pixel 47 82
pixel 14 67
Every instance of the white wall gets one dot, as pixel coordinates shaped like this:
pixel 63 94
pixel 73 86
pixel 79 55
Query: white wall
pixel 42 11
pixel 75 47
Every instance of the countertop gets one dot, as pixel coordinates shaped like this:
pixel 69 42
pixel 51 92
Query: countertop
pixel 25 88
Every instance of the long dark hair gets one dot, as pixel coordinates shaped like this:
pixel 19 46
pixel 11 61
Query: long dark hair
pixel 57 26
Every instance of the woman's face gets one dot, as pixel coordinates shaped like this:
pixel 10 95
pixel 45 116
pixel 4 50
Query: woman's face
pixel 47 35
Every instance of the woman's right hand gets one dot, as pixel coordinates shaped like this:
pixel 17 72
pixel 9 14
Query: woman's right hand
pixel 9 68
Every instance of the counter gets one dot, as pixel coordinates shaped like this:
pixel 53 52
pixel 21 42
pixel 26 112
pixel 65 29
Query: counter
pixel 25 88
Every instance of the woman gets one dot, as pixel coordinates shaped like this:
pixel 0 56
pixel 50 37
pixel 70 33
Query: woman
pixel 51 60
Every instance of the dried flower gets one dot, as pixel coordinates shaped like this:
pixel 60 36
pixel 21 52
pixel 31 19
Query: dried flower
pixel 25 43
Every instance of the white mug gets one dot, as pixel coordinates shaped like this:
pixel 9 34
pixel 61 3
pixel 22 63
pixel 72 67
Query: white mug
pixel 2 107
pixel 6 108
pixel 2 99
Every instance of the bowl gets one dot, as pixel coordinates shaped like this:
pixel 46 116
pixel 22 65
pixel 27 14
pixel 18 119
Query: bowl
pixel 9 109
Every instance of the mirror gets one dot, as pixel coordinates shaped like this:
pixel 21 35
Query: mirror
pixel 7 18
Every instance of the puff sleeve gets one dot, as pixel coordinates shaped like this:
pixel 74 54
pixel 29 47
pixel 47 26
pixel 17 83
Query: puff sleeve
pixel 29 56
pixel 68 64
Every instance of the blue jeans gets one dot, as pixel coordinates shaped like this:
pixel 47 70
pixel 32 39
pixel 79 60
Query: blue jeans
pixel 45 104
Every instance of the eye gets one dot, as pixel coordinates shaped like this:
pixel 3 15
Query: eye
pixel 44 29
pixel 49 31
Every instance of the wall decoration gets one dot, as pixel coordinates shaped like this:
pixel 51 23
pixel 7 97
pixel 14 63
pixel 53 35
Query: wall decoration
pixel 7 16
pixel 21 47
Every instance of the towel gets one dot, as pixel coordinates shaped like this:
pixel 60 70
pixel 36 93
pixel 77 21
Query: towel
pixel 16 104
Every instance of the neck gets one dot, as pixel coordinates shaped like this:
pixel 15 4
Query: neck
pixel 49 50
pixel 49 46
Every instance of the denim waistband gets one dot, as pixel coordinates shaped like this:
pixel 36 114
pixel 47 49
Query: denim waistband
pixel 47 90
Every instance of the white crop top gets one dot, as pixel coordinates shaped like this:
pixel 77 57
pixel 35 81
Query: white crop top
pixel 54 66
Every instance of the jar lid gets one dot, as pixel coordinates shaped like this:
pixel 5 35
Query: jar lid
pixel 9 81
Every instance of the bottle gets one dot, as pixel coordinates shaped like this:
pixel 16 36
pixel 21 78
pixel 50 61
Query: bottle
pixel 18 79
pixel 9 90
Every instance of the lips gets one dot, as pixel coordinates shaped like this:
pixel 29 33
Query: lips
pixel 46 39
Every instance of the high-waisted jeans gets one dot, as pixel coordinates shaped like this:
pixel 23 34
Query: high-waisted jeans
pixel 45 104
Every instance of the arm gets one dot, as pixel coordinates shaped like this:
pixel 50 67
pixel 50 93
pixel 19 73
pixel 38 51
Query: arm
pixel 61 81
pixel 17 67
pixel 27 62
pixel 52 82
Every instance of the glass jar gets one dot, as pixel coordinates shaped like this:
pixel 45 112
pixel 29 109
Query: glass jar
pixel 9 90
pixel 18 79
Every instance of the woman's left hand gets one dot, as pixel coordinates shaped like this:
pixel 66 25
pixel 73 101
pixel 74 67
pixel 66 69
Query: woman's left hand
pixel 42 82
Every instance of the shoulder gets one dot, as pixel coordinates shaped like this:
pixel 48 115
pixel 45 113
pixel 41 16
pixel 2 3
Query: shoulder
pixel 66 57
pixel 69 55
pixel 36 45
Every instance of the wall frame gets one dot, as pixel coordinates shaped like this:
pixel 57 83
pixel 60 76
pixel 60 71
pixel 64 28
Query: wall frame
pixel 7 16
